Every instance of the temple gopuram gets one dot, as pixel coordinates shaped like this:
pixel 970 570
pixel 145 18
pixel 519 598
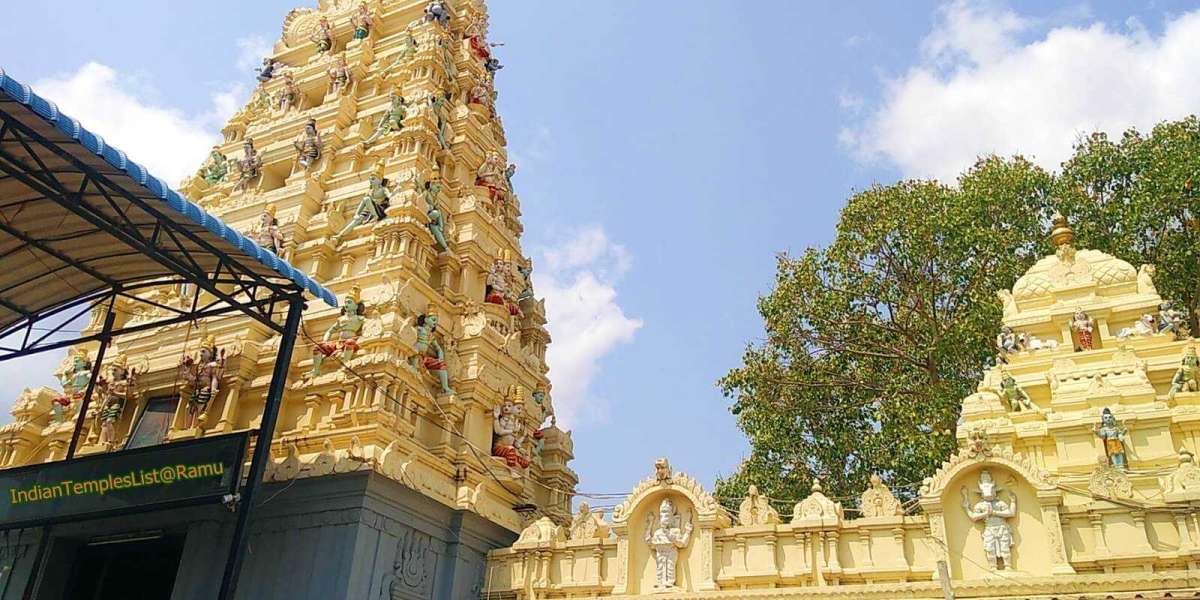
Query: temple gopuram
pixel 1075 477
pixel 417 430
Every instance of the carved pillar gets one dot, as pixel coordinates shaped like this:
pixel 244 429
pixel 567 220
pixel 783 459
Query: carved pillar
pixel 774 564
pixel 708 572
pixel 937 532
pixel 740 541
pixel 1052 521
pixel 833 551
pixel 229 411
pixel 598 560
pixel 864 538
pixel 901 559
pixel 1097 520
pixel 347 265
pixel 1185 534
pixel 622 566
pixel 1142 541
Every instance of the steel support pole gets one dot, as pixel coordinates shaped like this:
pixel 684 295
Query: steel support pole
pixel 262 451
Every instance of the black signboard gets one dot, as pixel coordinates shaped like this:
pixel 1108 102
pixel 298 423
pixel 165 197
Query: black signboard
pixel 98 485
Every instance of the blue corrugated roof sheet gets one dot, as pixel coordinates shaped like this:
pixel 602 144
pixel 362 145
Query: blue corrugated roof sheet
pixel 173 200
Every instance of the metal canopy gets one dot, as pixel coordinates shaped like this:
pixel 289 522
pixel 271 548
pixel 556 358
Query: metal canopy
pixel 81 224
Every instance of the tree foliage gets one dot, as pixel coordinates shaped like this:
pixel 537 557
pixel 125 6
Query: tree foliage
pixel 872 341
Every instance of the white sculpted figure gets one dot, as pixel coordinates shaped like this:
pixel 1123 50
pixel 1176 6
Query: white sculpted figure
pixel 995 513
pixel 667 535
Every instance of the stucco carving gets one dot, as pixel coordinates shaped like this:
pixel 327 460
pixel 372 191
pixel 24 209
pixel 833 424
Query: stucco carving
pixel 1037 477
pixel 756 509
pixel 817 506
pixel 878 501
pixel 587 524
pixel 706 505
pixel 1107 481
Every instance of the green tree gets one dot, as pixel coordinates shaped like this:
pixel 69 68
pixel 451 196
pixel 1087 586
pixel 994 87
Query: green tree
pixel 872 341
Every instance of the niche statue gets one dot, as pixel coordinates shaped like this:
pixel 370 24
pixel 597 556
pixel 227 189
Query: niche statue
pixel 995 513
pixel 667 533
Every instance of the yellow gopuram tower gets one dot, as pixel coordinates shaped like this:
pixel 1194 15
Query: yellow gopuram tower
pixel 370 157
pixel 1075 477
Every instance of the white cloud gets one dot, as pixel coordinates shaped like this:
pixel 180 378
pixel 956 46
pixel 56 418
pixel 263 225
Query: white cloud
pixel 979 88
pixel 167 141
pixel 578 280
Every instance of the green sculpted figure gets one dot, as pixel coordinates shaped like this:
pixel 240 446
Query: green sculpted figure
pixel 217 167
pixel 429 353
pixel 373 205
pixel 342 337
pixel 527 282
pixel 392 121
pixel 1115 436
pixel 1187 377
pixel 74 376
pixel 1015 397
pixel 438 104
pixel 437 221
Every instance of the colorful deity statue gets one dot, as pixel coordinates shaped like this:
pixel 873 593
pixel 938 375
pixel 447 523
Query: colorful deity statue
pixel 392 121
pixel 288 96
pixel 115 392
pixel 476 35
pixel 491 176
pixel 1115 438
pixel 1012 394
pixel 267 70
pixel 1187 376
pixel 481 93
pixel 322 36
pixel 445 52
pixel 339 77
pixel 438 12
pixel 1172 321
pixel 373 205
pixel 995 513
pixel 309 145
pixel 498 288
pixel 216 168
pixel 267 233
pixel 437 220
pixel 202 379
pixel 429 352
pixel 341 339
pixel 526 273
pixel 667 532
pixel 508 428
pixel 249 165
pixel 362 22
pixel 1084 327
pixel 1009 342
pixel 438 105
pixel 1143 327
pixel 74 374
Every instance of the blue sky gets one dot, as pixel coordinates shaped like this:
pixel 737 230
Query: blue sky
pixel 668 151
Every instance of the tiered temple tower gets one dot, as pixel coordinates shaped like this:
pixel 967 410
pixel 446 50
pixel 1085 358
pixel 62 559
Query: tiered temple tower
pixel 372 158
pixel 1075 477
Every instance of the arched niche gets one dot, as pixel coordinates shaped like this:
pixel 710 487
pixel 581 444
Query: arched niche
pixel 1037 540
pixel 635 559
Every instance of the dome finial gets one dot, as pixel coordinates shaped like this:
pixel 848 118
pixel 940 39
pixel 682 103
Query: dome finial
pixel 1061 234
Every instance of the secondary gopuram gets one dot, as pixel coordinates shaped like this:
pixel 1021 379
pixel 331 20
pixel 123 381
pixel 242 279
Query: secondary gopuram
pixel 417 430
pixel 1074 477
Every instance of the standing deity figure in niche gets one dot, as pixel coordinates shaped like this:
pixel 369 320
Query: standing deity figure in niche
pixel 995 513
pixel 115 392
pixel 476 34
pixel 374 203
pixel 498 289
pixel 1115 438
pixel 267 233
pixel 341 338
pixel 249 166
pixel 1144 326
pixel 508 425
pixel 322 36
pixel 216 168
pixel 73 374
pixel 392 121
pixel 438 105
pixel 437 11
pixel 526 273
pixel 428 352
pixel 1008 342
pixel 437 220
pixel 1084 328
pixel 309 145
pixel 1172 321
pixel 1187 377
pixel 267 71
pixel 1015 397
pixel 288 97
pixel 491 175
pixel 666 532
pixel 339 77
pixel 361 20
pixel 202 378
